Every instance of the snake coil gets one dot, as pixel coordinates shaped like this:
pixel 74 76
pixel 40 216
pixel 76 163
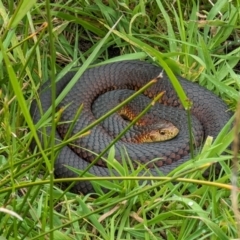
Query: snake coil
pixel 207 108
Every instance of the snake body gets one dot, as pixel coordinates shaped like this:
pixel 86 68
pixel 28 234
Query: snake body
pixel 208 109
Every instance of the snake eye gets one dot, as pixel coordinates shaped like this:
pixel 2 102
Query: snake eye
pixel 162 132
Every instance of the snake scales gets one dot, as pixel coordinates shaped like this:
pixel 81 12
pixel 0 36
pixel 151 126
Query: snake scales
pixel 208 109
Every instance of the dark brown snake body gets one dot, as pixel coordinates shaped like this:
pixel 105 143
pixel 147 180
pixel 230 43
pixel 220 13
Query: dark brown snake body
pixel 208 109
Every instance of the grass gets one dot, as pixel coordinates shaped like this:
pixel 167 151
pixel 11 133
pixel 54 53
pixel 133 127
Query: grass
pixel 38 39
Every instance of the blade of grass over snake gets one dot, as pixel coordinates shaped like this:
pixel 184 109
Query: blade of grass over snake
pixel 53 122
pixel 77 115
pixel 73 137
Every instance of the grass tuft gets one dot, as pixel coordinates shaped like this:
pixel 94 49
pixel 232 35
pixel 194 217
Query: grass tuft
pixel 38 39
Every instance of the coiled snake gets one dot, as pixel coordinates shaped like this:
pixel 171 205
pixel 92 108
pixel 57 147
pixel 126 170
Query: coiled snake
pixel 208 109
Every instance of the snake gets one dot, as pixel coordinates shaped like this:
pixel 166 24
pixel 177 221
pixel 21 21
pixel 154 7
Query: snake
pixel 209 114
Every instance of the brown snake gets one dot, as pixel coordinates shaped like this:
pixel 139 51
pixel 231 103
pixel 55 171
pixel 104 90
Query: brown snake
pixel 208 109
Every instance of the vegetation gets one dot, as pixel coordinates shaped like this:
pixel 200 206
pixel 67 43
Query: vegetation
pixel 199 40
